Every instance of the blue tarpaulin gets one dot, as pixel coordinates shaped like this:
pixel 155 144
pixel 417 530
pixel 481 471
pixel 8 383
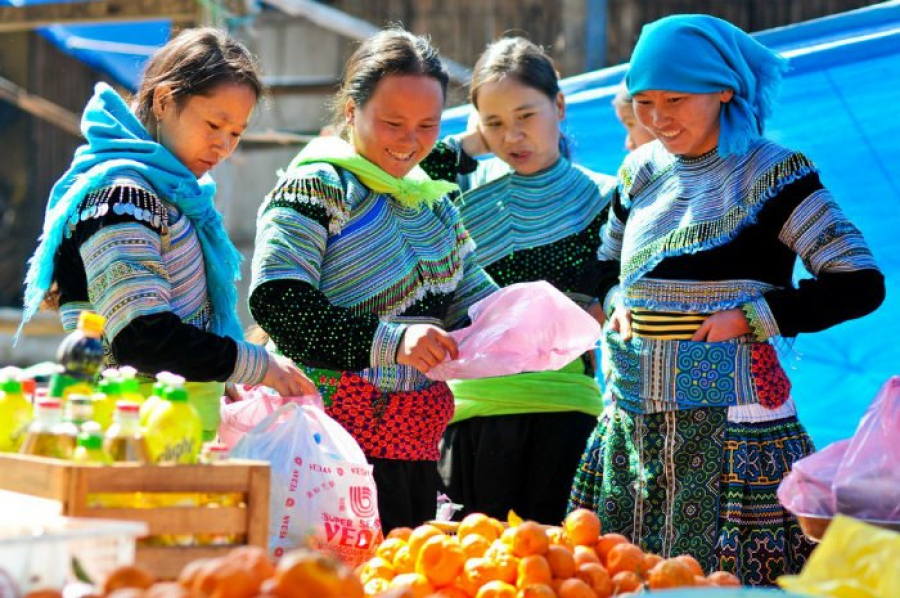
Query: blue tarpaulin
pixel 838 106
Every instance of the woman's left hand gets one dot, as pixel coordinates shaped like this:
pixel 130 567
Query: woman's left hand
pixel 723 325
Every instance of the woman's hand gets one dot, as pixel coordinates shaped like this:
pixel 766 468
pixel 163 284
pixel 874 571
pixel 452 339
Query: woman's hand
pixel 723 325
pixel 620 321
pixel 286 378
pixel 473 143
pixel 424 346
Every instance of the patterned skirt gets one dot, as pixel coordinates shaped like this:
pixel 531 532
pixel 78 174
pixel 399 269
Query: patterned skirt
pixel 692 482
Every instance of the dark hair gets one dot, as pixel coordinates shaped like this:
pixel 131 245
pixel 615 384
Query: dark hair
pixel 392 51
pixel 193 63
pixel 524 61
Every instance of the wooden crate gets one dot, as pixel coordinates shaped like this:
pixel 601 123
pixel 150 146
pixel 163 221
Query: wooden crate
pixel 70 484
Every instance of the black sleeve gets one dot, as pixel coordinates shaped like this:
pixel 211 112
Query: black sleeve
pixel 311 330
pixel 446 162
pixel 162 342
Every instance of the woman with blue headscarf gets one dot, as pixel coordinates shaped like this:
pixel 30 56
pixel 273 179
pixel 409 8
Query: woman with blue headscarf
pixel 131 231
pixel 704 232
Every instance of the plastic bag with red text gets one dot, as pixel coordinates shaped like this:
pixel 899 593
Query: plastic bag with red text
pixel 323 493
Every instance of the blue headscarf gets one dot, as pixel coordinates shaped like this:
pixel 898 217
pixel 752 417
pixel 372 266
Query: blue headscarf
pixel 703 54
pixel 117 142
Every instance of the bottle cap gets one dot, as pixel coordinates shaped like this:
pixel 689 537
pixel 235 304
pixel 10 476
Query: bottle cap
pixel 176 394
pixel 49 403
pixel 90 440
pixel 91 323
pixel 128 407
pixel 109 386
pixel 10 385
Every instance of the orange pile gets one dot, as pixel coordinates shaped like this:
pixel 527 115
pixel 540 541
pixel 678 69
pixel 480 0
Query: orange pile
pixel 485 559
pixel 246 572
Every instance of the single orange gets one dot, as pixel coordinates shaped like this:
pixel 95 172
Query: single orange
pixel 440 560
pixel 536 590
pixel 584 554
pixel 419 536
pixel 477 572
pixel 671 573
pixel 529 538
pixel 128 576
pixel 624 557
pixel 724 578
pixel 605 544
pixel 388 549
pixel 597 578
pixel 449 592
pixel 376 567
pixel 479 523
pixel 533 569
pixel 650 561
pixel 561 561
pixel 574 588
pixel 692 564
pixel 403 533
pixel 626 581
pixel 415 583
pixel 496 589
pixel 583 527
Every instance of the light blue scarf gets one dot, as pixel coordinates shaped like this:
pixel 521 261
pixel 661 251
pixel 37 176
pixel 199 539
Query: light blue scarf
pixel 117 142
pixel 703 54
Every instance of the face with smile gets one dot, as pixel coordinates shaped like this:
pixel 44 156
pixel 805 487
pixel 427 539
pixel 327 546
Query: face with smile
pixel 687 124
pixel 205 129
pixel 399 124
pixel 520 124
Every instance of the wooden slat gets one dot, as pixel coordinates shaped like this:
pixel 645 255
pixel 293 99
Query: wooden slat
pixel 258 507
pixel 46 478
pixel 104 11
pixel 179 520
pixel 166 562
pixel 38 106
pixel 227 477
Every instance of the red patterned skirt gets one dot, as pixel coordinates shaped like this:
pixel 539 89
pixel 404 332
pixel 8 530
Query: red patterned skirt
pixel 396 425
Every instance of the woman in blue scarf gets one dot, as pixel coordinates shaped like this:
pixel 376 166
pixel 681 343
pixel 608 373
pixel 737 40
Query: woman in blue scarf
pixel 704 233
pixel 131 232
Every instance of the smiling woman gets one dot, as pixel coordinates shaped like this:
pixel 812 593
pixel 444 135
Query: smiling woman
pixel 362 265
pixel 131 231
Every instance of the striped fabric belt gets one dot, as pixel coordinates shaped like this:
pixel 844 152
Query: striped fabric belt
pixel 661 369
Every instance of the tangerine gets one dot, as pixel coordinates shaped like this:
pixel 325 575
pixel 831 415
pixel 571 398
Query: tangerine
pixel 416 583
pixel 671 573
pixel 441 560
pixel 596 577
pixel 605 544
pixel 626 581
pixel 624 557
pixel 479 523
pixel 582 527
pixel 128 576
pixel 692 564
pixel 574 588
pixel 536 590
pixel 724 578
pixel 533 569
pixel 584 554
pixel 561 561
pixel 496 589
pixel 529 538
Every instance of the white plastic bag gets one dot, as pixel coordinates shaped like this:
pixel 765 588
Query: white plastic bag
pixel 323 492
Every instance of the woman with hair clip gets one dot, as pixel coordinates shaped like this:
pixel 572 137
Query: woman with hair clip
pixel 515 441
pixel 131 231
pixel 362 265
pixel 703 234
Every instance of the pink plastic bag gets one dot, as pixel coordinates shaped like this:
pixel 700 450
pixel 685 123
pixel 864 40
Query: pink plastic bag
pixel 525 327
pixel 256 402
pixel 860 476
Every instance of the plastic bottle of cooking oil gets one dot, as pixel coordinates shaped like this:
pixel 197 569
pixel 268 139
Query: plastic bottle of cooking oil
pixel 15 410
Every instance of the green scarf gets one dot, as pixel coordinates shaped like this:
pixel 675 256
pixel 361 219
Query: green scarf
pixel 566 389
pixel 414 190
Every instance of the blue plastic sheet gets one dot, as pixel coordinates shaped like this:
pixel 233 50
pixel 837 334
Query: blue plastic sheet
pixel 839 106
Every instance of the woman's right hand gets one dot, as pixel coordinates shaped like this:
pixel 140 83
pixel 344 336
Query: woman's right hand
pixel 424 346
pixel 283 376
pixel 473 143
pixel 620 321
